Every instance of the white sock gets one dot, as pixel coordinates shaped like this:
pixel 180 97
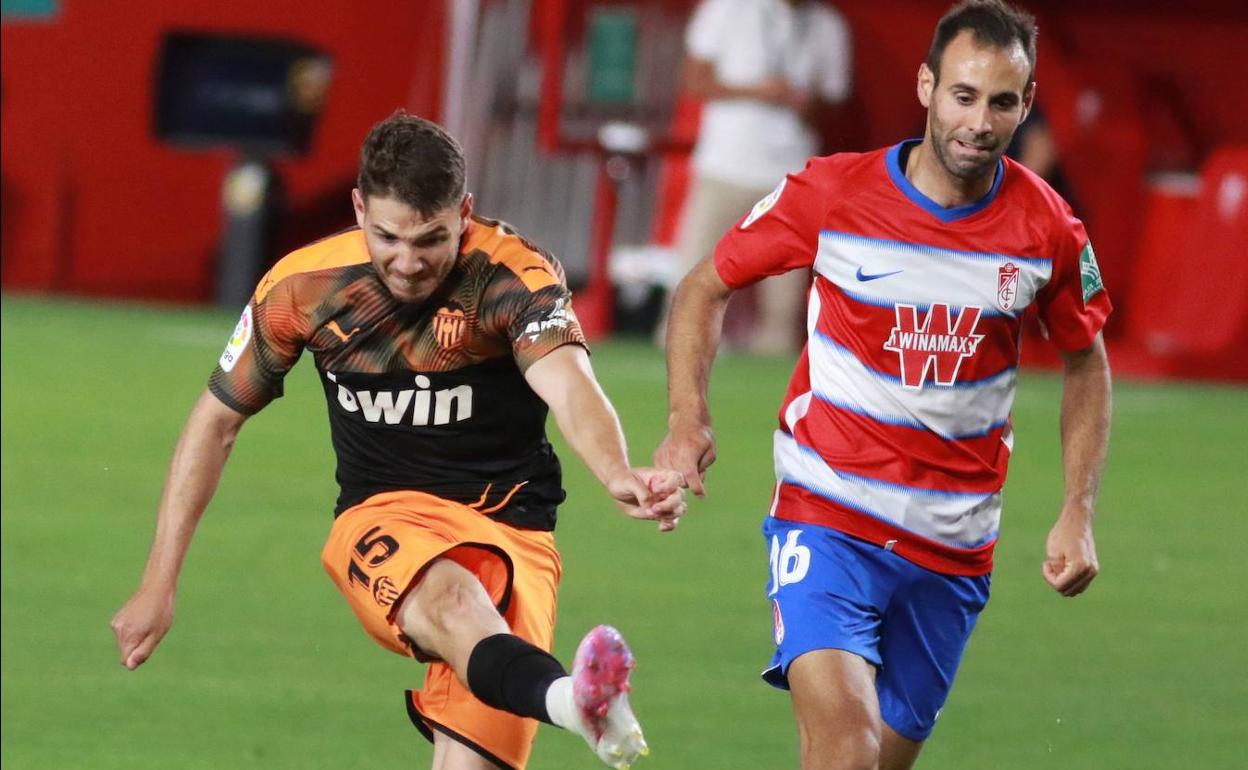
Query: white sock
pixel 561 706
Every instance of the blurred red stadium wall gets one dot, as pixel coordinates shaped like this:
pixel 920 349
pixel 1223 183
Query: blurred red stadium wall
pixel 93 204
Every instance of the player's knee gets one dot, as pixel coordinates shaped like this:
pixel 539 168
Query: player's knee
pixel 446 595
pixel 850 750
pixel 839 744
pixel 453 601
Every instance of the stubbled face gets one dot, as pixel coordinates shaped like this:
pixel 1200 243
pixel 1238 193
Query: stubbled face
pixel 411 253
pixel 973 111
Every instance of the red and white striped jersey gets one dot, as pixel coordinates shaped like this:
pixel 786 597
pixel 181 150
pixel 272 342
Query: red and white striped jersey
pixel 896 425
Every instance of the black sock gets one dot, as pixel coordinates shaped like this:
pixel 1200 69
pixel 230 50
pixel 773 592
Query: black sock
pixel 508 673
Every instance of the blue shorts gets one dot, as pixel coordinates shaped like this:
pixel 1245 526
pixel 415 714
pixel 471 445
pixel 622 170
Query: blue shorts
pixel 832 591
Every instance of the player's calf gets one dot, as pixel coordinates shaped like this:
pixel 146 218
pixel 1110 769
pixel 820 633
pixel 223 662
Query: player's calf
pixel 508 673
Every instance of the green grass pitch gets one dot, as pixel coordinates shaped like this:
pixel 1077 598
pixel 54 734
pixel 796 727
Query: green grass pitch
pixel 266 667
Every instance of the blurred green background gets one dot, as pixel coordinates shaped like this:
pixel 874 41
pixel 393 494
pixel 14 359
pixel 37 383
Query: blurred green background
pixel 266 666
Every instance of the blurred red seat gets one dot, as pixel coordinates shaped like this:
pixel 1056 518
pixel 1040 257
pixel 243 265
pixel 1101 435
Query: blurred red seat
pixel 1096 113
pixel 1168 212
pixel 1190 304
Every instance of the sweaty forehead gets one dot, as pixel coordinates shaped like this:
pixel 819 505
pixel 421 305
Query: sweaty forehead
pixel 401 219
pixel 985 67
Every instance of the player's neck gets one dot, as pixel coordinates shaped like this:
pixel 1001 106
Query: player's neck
pixel 930 177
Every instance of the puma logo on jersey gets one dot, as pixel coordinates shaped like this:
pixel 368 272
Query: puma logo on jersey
pixel 937 345
pixel 416 406
pixel 339 333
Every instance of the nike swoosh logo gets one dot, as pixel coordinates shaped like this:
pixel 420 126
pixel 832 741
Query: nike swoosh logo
pixel 337 330
pixel 873 276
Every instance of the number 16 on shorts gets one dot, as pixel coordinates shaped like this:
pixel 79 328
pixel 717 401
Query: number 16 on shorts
pixel 790 561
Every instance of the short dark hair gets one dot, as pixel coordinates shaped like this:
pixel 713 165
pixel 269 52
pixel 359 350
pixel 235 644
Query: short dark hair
pixel 414 161
pixel 993 22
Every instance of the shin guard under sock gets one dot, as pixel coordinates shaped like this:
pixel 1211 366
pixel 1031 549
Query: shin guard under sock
pixel 508 673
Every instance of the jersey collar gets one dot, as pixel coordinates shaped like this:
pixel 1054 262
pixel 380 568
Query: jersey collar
pixel 898 175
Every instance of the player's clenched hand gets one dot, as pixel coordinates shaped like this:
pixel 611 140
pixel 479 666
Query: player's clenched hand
pixel 140 625
pixel 689 452
pixel 650 493
pixel 1070 557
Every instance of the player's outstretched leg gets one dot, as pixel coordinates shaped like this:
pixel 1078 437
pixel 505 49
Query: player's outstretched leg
pixel 594 700
pixel 449 615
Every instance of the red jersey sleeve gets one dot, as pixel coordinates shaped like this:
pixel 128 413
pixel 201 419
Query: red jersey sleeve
pixel 781 232
pixel 1074 305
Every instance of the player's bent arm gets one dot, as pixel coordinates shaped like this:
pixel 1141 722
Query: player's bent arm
pixel 1071 562
pixel 198 460
pixel 693 333
pixel 565 380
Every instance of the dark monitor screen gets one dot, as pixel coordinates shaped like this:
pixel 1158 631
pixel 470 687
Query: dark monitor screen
pixel 261 96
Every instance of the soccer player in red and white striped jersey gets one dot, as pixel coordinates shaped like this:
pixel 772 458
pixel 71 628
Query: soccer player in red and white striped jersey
pixel 894 435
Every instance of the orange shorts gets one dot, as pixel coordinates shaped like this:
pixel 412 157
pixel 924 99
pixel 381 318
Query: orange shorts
pixel 378 550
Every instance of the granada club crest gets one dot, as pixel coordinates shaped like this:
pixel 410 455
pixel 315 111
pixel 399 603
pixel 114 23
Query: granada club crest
pixel 1007 286
pixel 449 324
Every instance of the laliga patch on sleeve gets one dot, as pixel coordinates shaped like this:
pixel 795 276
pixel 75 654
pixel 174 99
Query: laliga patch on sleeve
pixel 1090 273
pixel 238 341
pixel 764 205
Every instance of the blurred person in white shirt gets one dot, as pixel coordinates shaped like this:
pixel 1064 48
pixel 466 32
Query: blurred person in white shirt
pixel 764 69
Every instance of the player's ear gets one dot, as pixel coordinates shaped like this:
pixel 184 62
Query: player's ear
pixel 465 209
pixel 357 201
pixel 925 85
pixel 1029 99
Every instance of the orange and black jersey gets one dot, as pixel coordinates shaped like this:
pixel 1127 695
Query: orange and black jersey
pixel 428 396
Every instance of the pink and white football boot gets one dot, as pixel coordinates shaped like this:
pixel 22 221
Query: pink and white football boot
pixel 600 691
